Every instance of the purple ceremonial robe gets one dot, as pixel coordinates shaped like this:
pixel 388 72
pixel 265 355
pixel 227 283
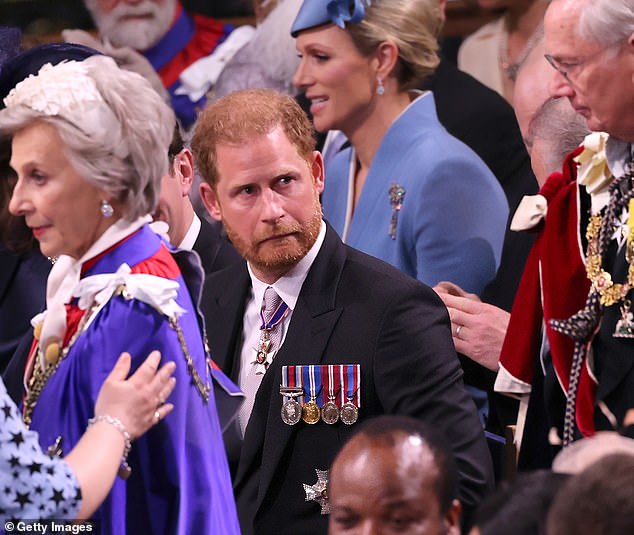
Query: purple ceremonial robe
pixel 180 481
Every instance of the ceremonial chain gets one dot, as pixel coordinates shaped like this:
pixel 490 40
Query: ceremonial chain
pixel 610 292
pixel 203 388
pixel 41 375
pixel 603 292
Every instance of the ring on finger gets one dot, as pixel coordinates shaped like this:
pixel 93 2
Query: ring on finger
pixel 157 416
pixel 458 329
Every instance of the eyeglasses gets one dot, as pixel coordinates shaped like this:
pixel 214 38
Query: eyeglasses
pixel 568 68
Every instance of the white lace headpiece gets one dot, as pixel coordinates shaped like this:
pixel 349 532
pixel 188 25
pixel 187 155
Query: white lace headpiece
pixel 67 90
pixel 55 89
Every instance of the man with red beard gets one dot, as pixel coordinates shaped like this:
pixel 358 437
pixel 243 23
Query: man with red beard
pixel 317 334
pixel 171 39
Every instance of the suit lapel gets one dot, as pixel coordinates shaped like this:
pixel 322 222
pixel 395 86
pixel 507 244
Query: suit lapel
pixel 222 304
pixel 312 323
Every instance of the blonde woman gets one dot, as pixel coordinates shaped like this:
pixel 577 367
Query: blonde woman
pixel 405 191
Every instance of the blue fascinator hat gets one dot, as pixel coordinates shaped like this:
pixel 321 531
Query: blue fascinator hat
pixel 19 67
pixel 317 12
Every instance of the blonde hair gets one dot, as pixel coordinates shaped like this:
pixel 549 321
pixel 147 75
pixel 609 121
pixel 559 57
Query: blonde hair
pixel 413 25
pixel 243 115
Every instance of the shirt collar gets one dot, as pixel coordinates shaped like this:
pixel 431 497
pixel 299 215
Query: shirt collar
pixel 288 286
pixel 192 234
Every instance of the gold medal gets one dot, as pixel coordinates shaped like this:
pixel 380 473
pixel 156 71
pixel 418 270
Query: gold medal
pixel 311 412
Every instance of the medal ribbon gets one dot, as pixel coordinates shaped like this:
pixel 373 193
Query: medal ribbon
pixel 287 379
pixel 296 377
pixel 357 385
pixel 292 377
pixel 330 378
pixel 314 380
pixel 278 315
pixel 351 383
pixel 342 382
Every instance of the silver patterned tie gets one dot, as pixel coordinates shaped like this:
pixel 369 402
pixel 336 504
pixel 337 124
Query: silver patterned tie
pixel 273 313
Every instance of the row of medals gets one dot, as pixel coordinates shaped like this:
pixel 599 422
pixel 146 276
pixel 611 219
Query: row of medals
pixel 292 412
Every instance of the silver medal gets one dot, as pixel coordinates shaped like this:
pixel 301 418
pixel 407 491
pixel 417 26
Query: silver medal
pixel 330 413
pixel 291 412
pixel 349 413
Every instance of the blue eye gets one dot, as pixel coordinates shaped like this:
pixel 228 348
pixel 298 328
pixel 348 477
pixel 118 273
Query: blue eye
pixel 38 177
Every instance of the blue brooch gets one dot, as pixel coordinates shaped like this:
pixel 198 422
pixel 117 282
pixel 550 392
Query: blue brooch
pixel 342 11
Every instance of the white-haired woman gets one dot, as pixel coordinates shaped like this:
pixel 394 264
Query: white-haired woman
pixel 89 147
pixel 406 191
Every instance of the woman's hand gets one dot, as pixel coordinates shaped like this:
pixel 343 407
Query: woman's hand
pixel 139 402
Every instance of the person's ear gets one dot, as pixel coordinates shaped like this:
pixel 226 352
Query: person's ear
pixel 452 518
pixel 209 197
pixel 387 57
pixel 183 170
pixel 317 171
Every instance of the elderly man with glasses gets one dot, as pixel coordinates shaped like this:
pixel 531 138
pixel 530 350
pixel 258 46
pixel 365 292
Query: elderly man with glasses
pixel 590 43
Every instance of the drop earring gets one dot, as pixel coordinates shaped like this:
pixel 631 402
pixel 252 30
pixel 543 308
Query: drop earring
pixel 106 209
pixel 380 88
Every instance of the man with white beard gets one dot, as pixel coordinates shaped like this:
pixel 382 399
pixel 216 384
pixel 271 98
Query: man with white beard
pixel 173 42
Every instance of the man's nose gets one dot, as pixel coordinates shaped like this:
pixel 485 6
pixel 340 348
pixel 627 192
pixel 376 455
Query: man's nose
pixel 271 206
pixel 559 86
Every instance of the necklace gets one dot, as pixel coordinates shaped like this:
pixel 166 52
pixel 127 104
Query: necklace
pixel 508 67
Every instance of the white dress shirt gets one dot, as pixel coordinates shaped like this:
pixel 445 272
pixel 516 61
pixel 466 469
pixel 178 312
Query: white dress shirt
pixel 288 288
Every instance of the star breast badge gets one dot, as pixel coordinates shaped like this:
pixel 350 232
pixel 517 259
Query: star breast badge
pixel 319 491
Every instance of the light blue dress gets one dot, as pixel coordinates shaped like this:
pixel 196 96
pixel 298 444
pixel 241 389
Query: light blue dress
pixel 453 212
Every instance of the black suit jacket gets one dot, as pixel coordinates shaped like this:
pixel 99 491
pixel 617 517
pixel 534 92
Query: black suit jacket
pixel 214 248
pixel 352 308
